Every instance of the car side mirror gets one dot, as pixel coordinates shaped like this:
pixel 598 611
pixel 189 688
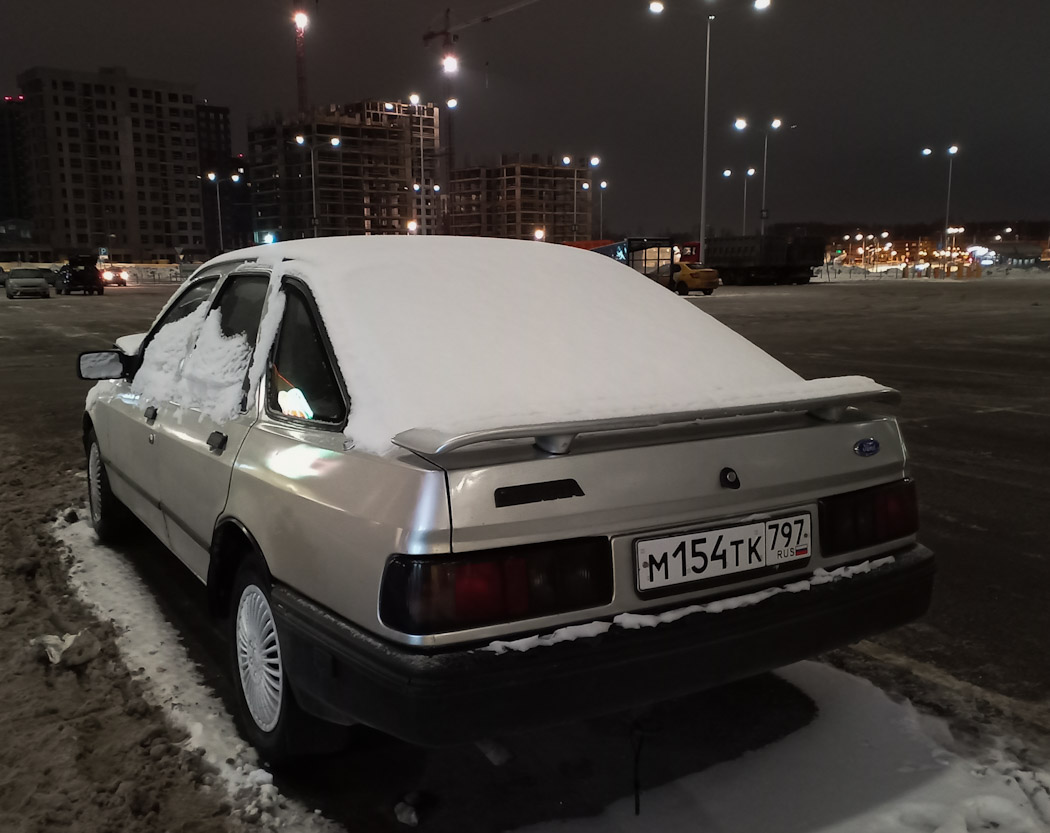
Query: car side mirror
pixel 103 364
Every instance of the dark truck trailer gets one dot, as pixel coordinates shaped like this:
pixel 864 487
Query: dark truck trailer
pixel 744 261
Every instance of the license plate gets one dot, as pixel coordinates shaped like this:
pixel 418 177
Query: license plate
pixel 712 553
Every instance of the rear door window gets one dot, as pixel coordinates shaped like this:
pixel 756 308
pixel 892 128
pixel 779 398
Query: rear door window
pixel 303 382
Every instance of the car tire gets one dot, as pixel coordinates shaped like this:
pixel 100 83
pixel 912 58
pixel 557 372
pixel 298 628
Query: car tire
pixel 267 712
pixel 707 291
pixel 681 288
pixel 110 518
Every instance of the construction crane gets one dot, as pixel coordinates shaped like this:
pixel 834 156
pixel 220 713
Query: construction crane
pixel 448 34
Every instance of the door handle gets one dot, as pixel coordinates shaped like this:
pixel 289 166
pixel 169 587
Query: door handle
pixel 217 442
pixel 150 413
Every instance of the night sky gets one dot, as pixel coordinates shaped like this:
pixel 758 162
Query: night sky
pixel 867 83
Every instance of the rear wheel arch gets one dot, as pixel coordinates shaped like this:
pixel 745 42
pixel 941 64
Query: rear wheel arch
pixel 232 544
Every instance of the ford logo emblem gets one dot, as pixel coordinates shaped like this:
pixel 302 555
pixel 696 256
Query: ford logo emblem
pixel 867 447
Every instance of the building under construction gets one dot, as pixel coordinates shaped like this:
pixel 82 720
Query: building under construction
pixel 384 172
pixel 521 196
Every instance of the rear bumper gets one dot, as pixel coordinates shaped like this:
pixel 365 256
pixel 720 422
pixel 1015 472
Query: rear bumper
pixel 344 674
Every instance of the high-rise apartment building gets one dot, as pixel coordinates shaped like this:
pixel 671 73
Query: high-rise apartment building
pixel 523 195
pixel 14 193
pixel 113 163
pixel 369 168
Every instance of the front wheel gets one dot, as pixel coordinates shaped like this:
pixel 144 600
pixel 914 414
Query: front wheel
pixel 109 516
pixel 708 291
pixel 267 712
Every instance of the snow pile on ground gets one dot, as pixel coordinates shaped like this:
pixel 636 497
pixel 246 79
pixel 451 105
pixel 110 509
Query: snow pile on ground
pixel 458 334
pixel 865 765
pixel 853 274
pixel 106 582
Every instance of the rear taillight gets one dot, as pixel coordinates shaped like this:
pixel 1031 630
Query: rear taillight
pixel 856 520
pixel 424 595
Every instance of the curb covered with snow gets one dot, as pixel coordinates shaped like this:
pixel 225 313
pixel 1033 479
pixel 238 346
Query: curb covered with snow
pixel 147 641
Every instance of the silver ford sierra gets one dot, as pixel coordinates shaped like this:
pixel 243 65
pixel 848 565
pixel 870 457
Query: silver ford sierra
pixel 448 487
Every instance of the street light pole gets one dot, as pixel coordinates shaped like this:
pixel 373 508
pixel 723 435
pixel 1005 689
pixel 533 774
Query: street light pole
pixel 601 209
pixel 300 140
pixel 747 175
pixel 948 204
pixel 416 102
pixel 658 8
pixel 594 163
pixel 313 187
pixel 701 251
pixel 952 150
pixel 774 125
pixel 218 207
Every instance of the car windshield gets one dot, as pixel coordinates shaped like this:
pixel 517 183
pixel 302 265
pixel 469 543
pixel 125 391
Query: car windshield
pixel 28 273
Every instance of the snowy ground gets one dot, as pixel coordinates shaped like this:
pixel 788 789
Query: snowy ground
pixel 847 274
pixel 866 764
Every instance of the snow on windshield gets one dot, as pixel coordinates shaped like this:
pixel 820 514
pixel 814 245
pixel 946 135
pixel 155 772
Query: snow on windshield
pixel 461 334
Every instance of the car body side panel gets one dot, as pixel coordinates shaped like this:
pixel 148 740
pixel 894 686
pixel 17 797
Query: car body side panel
pixel 327 519
pixel 195 479
pixel 127 441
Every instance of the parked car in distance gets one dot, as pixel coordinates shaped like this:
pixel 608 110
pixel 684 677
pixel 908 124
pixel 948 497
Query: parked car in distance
pixel 457 507
pixel 80 275
pixel 27 283
pixel 684 278
pixel 115 276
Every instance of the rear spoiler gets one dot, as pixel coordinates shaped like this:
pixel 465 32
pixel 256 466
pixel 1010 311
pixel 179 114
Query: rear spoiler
pixel 557 437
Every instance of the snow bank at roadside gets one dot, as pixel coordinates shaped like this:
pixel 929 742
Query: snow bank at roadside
pixel 149 643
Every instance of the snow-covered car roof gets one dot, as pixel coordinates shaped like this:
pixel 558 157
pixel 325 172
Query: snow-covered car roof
pixel 466 334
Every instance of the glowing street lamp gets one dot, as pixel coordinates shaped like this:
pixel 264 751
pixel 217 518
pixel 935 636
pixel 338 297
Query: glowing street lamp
pixel 750 172
pixel 452 103
pixel 301 21
pixel 774 125
pixel 216 180
pixel 566 160
pixel 656 7
pixel 412 225
pixel 952 150
pixel 450 64
pixel 332 143
pixel 539 234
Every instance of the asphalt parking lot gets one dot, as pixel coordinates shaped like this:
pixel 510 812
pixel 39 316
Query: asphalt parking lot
pixel 971 360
